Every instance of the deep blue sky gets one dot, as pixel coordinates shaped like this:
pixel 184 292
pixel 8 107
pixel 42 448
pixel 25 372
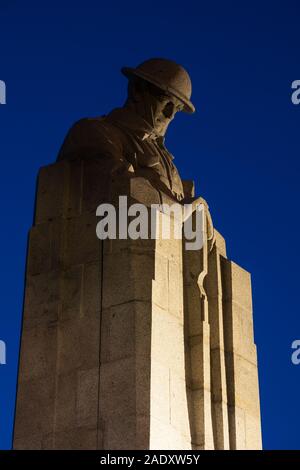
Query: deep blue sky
pixel 61 61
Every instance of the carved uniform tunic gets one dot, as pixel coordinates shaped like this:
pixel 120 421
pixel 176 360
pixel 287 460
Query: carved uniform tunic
pixel 126 138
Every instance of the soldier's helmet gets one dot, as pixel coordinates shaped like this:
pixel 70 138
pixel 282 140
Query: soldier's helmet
pixel 167 75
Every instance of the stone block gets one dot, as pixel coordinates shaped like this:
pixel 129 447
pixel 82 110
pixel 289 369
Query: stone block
pixel 160 391
pixel 48 441
pixel 165 437
pixel 73 205
pixel 128 277
pixel 38 352
pixel 78 343
pixel 42 299
pixel 142 191
pixel 215 313
pixel 201 420
pixel 193 309
pixel 39 249
pixel 175 290
pixel 71 290
pixel 246 385
pixel 126 330
pixel 179 417
pixel 253 432
pixel 35 408
pixel 199 351
pixel 76 402
pixel 65 401
pixel 220 425
pixel 132 431
pixel 218 375
pixel 57 230
pixel 237 284
pixel 237 428
pixel 51 192
pixel 167 340
pixel 91 292
pixel 30 442
pixel 45 247
pixel 96 183
pixel 87 397
pixel 238 328
pixel 118 332
pixel 220 243
pixel 160 284
pixel 79 438
pixel 166 243
pixel 117 390
pixel 81 242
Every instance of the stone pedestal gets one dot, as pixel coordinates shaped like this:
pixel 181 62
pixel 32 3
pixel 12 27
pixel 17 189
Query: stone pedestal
pixel 129 344
pixel 222 379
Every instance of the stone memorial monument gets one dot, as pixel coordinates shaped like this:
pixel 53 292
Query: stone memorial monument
pixel 132 343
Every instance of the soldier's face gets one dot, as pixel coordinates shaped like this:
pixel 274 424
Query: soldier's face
pixel 156 107
pixel 164 109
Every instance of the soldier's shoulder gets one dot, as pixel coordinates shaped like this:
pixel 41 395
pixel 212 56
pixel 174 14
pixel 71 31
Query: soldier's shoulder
pixel 97 128
pixel 91 124
pixel 91 136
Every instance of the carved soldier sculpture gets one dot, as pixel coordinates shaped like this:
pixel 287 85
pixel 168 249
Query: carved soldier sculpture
pixel 132 137
pixel 132 344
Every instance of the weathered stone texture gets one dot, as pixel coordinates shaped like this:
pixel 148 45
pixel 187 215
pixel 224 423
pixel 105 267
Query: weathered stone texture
pixel 130 344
